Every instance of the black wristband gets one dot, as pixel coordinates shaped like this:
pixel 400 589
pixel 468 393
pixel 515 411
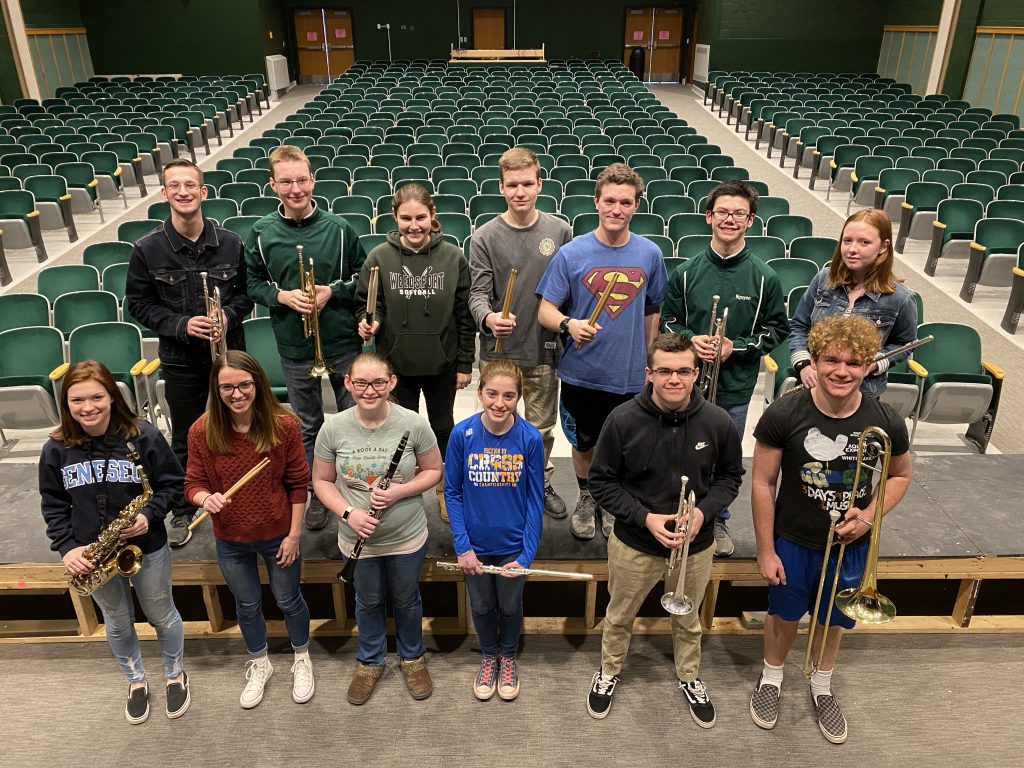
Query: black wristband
pixel 563 327
pixel 800 365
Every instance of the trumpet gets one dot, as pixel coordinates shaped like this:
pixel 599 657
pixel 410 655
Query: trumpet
pixel 863 603
pixel 311 322
pixel 709 371
pixel 218 341
pixel 497 569
pixel 676 602
pixel 506 307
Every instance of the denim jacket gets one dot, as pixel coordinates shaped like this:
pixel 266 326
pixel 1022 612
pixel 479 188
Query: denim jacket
pixel 894 314
pixel 164 288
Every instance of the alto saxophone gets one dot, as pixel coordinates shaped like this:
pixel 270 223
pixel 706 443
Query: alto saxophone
pixel 109 554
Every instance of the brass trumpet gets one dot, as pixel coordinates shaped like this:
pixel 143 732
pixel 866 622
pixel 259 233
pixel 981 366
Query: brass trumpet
pixel 709 371
pixel 865 603
pixel 676 602
pixel 311 322
pixel 218 341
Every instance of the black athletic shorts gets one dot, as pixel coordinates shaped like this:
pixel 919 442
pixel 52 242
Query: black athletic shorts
pixel 589 408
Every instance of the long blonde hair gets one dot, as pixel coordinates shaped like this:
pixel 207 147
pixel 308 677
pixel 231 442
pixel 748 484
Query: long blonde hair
pixel 880 278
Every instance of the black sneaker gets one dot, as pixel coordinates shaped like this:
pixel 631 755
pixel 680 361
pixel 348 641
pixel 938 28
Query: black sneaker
pixel 315 518
pixel 554 507
pixel 136 709
pixel 764 704
pixel 830 717
pixel 600 699
pixel 178 697
pixel 178 534
pixel 701 709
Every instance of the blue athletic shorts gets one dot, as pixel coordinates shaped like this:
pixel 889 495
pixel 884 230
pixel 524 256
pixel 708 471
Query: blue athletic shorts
pixel 803 571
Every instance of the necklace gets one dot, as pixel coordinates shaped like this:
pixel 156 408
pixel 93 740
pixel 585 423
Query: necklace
pixel 370 433
pixel 497 439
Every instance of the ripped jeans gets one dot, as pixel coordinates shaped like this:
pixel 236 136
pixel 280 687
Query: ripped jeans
pixel 153 586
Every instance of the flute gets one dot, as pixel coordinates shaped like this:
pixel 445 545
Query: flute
pixel 233 489
pixel 605 295
pixel 510 290
pixel 497 569
pixel 348 571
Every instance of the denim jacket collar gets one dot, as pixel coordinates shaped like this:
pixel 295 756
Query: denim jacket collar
pixel 178 243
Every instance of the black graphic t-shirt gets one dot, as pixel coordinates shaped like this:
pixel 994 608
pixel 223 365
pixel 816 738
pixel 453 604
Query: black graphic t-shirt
pixel 819 459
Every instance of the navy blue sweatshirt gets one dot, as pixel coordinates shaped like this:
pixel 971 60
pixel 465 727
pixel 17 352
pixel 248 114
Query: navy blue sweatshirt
pixel 643 450
pixel 71 479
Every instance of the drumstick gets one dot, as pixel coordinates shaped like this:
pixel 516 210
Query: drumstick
pixel 233 489
pixel 371 303
pixel 605 295
pixel 510 290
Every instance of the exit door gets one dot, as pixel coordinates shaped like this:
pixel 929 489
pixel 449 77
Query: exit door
pixel 324 43
pixel 659 31
pixel 489 29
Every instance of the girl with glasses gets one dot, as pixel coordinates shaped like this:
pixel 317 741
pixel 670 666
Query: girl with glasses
pixel 244 424
pixel 353 450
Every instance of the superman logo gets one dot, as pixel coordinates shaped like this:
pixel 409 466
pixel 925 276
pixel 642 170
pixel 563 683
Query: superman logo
pixel 628 283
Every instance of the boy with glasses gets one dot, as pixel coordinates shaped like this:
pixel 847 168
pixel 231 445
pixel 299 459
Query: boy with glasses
pixel 749 289
pixel 274 281
pixel 164 292
pixel 666 431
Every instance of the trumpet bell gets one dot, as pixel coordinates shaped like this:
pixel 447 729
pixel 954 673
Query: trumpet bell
pixel 320 369
pixel 676 607
pixel 867 605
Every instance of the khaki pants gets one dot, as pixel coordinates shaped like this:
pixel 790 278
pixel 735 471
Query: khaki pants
pixel 631 576
pixel 540 403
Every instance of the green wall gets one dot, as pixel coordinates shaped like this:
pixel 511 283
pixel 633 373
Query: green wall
pixel 963 46
pixel 795 35
pixel 10 87
pixel 921 13
pixel 1002 13
pixel 187 36
pixel 51 13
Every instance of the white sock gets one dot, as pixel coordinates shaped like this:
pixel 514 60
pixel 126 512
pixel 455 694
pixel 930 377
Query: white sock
pixel 772 674
pixel 262 659
pixel 821 683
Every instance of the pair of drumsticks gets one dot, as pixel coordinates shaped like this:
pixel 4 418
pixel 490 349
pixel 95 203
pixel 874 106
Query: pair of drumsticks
pixel 233 489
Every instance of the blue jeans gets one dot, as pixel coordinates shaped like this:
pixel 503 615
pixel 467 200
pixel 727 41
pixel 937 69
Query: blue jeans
pixel 738 414
pixel 306 398
pixel 153 587
pixel 376 579
pixel 238 564
pixel 497 606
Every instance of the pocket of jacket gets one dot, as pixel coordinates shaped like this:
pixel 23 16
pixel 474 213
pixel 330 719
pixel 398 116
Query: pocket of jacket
pixel 418 354
pixel 171 285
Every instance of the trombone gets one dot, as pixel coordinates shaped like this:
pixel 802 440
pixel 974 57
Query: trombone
pixel 676 602
pixel 311 322
pixel 709 371
pixel 863 603
pixel 218 342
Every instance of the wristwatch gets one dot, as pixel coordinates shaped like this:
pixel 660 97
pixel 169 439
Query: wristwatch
pixel 348 510
pixel 563 327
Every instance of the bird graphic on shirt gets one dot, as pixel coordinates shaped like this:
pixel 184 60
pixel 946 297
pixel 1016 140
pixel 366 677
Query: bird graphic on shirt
pixel 822 448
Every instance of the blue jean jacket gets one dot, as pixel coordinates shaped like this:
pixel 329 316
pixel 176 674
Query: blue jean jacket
pixel 894 314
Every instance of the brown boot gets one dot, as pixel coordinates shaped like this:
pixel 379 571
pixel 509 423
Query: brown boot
pixel 363 682
pixel 439 489
pixel 417 678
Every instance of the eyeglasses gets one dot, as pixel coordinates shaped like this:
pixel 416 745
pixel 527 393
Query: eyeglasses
pixel 379 385
pixel 289 183
pixel 188 186
pixel 721 214
pixel 666 373
pixel 227 390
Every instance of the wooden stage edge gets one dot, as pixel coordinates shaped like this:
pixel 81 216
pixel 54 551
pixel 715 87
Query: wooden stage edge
pixel 30 579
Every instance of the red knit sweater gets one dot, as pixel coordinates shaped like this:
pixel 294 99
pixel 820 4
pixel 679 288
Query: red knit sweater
pixel 261 509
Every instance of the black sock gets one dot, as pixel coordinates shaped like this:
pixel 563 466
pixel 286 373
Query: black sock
pixel 584 484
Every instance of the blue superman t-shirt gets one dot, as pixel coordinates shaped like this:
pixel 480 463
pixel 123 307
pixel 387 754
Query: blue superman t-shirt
pixel 574 280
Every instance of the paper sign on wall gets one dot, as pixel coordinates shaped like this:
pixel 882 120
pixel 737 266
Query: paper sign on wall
pixel 341 33
pixel 638 35
pixel 663 34
pixel 311 37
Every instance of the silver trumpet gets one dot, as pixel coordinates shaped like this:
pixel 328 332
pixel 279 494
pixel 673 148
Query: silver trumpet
pixel 676 602
pixel 709 371
pixel 497 569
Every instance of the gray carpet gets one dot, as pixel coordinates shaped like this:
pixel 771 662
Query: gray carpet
pixel 909 700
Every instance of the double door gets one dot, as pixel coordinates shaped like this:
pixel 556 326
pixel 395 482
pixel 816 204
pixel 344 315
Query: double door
pixel 323 39
pixel 660 33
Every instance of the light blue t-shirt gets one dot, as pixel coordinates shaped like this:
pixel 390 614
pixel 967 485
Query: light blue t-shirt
pixel 615 360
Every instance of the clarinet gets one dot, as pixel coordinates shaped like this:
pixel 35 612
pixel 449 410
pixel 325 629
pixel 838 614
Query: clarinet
pixel 345 574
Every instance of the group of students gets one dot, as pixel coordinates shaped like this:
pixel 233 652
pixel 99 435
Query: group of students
pixel 627 387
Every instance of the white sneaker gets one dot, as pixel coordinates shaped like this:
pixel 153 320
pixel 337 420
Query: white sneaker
pixel 302 679
pixel 257 673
